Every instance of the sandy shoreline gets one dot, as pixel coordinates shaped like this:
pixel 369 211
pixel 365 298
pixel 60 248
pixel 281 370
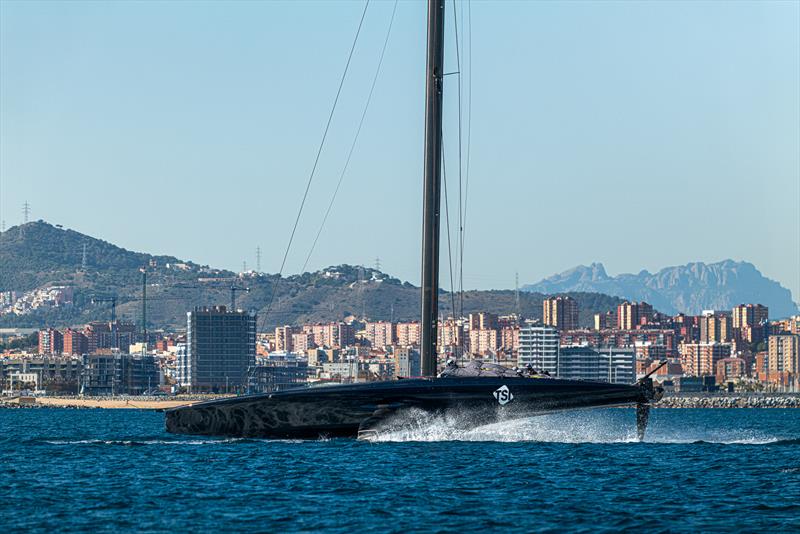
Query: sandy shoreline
pixel 125 403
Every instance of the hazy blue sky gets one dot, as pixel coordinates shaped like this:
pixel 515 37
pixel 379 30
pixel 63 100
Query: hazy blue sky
pixel 639 134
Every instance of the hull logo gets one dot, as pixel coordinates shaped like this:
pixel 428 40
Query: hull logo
pixel 503 395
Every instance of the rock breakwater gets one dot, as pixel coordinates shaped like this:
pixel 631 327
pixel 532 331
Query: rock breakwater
pixel 729 401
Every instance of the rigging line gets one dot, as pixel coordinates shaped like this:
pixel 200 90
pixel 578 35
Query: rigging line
pixel 447 225
pixel 355 139
pixel 460 142
pixel 469 145
pixel 316 161
pixel 458 44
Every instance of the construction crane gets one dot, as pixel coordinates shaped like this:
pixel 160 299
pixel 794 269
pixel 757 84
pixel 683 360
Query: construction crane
pixel 233 288
pixel 143 270
pixel 112 300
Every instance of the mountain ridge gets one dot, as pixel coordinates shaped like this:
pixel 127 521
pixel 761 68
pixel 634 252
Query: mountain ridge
pixel 689 288
pixel 39 254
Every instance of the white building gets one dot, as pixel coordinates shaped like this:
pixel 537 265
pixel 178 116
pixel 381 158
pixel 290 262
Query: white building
pixel 183 371
pixel 538 346
pixel 406 362
pixel 614 365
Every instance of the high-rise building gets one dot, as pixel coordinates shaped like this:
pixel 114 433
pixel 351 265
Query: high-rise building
pixel 347 335
pixel 302 341
pixel 283 338
pixel 560 312
pixel 538 346
pixel 509 339
pixel 321 334
pixel 687 326
pixel 379 333
pixel 750 322
pixel 700 359
pixel 451 337
pixel 107 335
pixel 406 362
pixel 633 314
pixel 221 348
pixel 327 334
pixel 750 315
pixel 715 328
pixel 408 333
pixel 482 321
pixel 783 354
pixel 75 342
pixel 483 341
pixel 50 341
pixel 794 324
pixel 645 313
pixel 605 321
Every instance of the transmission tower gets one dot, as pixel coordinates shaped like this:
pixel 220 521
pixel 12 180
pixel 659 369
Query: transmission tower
pixel 378 264
pixel 361 282
pixel 26 212
pixel 258 259
pixel 244 266
pixel 516 292
pixel 84 262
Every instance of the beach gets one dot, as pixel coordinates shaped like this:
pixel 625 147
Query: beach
pixel 688 400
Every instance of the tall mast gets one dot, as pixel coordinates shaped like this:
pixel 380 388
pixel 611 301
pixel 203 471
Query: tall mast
pixel 432 186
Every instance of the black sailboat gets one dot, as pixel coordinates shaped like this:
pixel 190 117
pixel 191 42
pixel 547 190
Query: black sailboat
pixel 479 393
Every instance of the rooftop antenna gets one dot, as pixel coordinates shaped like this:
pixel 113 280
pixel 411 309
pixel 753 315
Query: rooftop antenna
pixel 258 259
pixel 516 292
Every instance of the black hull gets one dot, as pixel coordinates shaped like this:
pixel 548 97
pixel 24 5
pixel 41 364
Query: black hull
pixel 360 409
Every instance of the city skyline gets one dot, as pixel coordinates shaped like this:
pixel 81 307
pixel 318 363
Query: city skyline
pixel 740 345
pixel 220 133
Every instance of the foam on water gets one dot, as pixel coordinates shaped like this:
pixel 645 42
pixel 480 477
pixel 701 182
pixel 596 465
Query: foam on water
pixel 591 426
pixel 604 426
pixel 145 441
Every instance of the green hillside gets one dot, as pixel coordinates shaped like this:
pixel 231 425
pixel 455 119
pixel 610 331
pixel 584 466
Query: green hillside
pixel 38 254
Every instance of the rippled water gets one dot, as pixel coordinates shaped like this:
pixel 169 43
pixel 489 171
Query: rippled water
pixel 117 470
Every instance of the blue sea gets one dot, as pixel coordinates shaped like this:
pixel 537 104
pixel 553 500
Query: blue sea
pixel 118 471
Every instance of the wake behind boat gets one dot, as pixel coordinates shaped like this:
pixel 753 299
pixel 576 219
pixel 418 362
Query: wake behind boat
pixel 485 393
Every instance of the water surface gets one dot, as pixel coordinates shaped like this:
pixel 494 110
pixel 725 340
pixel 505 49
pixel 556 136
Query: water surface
pixel 117 470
